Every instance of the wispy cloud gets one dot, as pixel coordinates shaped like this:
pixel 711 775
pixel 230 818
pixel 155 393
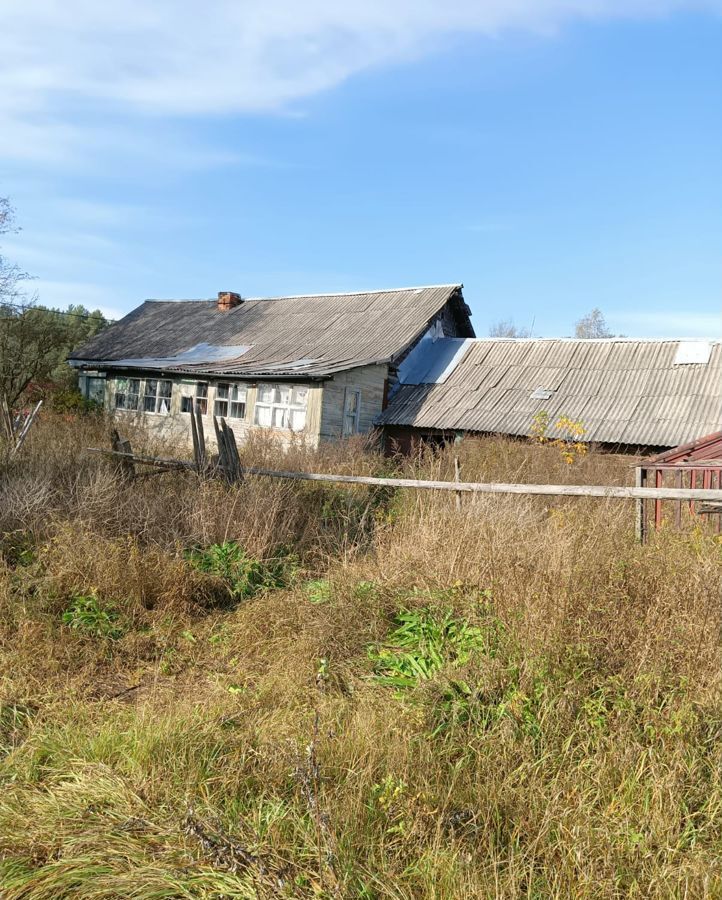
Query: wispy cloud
pixel 669 324
pixel 184 58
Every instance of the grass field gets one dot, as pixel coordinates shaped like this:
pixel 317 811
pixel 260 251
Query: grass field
pixel 294 690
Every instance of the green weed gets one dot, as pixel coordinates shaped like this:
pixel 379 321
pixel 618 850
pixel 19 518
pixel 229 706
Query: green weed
pixel 422 643
pixel 87 614
pixel 244 575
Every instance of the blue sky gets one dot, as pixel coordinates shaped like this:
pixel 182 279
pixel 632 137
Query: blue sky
pixel 552 155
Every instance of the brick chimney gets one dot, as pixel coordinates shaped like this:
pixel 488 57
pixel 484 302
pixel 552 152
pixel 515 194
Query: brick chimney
pixel 228 299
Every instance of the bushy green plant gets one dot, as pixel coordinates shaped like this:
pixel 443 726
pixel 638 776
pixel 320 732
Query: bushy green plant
pixel 423 642
pixel 244 574
pixel 87 614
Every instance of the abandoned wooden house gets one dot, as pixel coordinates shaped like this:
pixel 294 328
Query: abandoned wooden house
pixel 317 367
pixel 627 394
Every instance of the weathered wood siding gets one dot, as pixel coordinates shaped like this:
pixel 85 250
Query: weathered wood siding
pixel 369 380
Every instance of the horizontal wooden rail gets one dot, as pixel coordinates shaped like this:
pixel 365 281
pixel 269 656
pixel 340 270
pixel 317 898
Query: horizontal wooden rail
pixel 469 487
pixel 474 487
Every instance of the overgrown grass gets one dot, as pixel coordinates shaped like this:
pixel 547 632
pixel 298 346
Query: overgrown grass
pixel 280 690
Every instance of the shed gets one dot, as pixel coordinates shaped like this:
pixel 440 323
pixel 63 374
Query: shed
pixel 627 393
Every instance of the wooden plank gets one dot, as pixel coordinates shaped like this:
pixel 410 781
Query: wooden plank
pixel 201 437
pixel 640 522
pixel 457 479
pixel 196 445
pixel 658 476
pixel 546 490
pixel 613 492
pixel 234 457
pixel 26 428
pixel 7 419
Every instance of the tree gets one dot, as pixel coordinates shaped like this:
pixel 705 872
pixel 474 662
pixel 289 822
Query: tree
pixel 35 340
pixel 506 328
pixel 593 325
pixel 11 275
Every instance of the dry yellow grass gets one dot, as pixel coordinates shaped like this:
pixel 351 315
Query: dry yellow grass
pixel 193 744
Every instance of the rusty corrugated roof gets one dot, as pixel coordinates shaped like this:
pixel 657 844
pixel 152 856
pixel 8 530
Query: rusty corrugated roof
pixel 624 391
pixel 298 336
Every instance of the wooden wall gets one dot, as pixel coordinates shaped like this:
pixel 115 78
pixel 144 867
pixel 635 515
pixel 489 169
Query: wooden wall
pixel 369 380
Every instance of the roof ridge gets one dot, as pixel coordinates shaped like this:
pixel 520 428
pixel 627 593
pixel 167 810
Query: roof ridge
pixel 391 290
pixel 605 340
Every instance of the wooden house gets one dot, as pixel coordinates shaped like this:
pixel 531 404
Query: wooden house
pixel 318 367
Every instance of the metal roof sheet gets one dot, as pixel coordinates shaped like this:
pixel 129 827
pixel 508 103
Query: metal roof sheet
pixel 313 335
pixel 624 391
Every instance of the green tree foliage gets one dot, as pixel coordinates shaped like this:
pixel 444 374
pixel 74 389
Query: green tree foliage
pixel 35 340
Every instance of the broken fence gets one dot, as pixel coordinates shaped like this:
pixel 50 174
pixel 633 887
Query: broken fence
pixel 226 464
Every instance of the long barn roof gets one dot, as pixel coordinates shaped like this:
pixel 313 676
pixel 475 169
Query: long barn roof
pixel 624 391
pixel 312 336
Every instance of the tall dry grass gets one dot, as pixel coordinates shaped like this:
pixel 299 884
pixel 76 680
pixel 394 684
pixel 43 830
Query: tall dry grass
pixel 212 747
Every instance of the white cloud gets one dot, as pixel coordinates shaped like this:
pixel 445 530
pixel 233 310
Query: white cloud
pixel 665 323
pixel 184 57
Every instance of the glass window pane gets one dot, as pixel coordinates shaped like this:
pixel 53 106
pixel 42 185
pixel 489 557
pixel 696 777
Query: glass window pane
pixel 166 389
pixel 263 416
pixel 265 393
pixel 201 390
pixel 238 410
pixel 299 396
pixel 280 417
pixel 283 394
pixel 222 391
pixel 298 419
pixel 186 404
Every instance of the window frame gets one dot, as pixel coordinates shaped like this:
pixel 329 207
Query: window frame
pixel 126 392
pixel 196 398
pixel 97 381
pixel 157 396
pixel 276 406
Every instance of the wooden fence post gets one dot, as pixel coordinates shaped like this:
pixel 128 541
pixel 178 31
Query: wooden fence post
pixel 640 523
pixel 457 477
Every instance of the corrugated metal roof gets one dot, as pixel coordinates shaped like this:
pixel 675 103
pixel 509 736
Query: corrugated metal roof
pixel 313 335
pixel 624 391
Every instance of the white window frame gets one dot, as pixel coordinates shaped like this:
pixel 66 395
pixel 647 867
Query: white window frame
pixel 283 415
pixel 157 397
pixel 199 395
pixel 122 388
pixel 351 412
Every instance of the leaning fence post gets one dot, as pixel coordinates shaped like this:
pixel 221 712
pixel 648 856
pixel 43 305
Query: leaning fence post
pixel 640 523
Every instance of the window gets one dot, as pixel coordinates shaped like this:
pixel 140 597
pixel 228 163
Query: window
pixel 230 401
pixel 95 389
pixel 200 396
pixel 351 410
pixel 127 393
pixel 281 406
pixel 156 398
